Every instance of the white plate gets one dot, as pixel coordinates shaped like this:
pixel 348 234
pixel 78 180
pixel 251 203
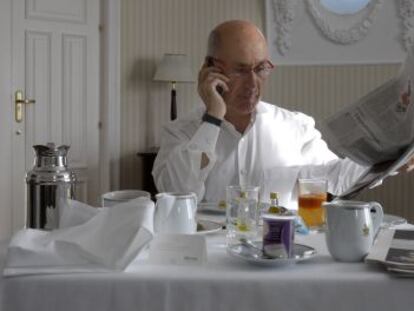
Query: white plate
pixel 255 255
pixel 210 207
pixel 214 207
pixel 208 227
pixel 392 220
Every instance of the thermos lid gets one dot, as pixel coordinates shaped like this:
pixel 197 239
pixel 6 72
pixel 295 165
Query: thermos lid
pixel 50 165
pixel 50 150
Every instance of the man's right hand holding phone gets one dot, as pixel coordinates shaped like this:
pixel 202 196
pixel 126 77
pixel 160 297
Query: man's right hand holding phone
pixel 211 81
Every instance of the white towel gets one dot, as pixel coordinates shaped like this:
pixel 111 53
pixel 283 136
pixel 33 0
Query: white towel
pixel 88 240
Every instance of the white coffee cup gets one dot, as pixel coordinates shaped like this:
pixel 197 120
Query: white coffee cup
pixel 116 197
pixel 351 227
pixel 175 213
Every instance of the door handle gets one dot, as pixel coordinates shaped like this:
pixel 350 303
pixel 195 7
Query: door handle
pixel 19 101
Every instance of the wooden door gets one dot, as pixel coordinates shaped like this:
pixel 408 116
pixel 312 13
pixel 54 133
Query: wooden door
pixel 51 53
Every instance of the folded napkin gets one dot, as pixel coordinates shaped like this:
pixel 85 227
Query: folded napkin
pixel 88 240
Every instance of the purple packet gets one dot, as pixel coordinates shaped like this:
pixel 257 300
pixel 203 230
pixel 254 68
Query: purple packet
pixel 278 234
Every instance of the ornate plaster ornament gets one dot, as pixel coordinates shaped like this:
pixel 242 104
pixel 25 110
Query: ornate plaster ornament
pixel 344 28
pixel 284 13
pixel 406 9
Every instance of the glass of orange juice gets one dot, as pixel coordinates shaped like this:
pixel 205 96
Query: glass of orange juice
pixel 312 193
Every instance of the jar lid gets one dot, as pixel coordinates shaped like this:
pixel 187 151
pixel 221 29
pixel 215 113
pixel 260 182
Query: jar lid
pixel 274 195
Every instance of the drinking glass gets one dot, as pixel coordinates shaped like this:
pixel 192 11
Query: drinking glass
pixel 312 193
pixel 242 213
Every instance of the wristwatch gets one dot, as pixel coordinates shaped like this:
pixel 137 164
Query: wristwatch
pixel 210 119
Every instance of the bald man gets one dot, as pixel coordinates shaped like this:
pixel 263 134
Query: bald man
pixel 237 139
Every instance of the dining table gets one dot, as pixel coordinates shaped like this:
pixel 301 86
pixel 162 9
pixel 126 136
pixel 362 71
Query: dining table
pixel 223 282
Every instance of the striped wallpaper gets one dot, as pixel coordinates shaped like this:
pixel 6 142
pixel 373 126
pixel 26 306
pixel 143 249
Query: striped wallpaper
pixel 151 28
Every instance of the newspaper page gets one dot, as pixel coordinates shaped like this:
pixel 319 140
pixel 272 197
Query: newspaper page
pixel 377 130
pixel 394 249
pixel 379 127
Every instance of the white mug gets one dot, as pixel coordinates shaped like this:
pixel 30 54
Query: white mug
pixel 351 227
pixel 175 213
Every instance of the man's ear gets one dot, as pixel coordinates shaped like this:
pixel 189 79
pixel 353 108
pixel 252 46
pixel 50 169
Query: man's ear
pixel 209 61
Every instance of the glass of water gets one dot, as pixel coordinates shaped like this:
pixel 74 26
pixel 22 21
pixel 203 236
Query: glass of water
pixel 242 213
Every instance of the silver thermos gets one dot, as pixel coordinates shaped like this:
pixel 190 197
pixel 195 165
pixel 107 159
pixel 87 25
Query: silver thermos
pixel 49 184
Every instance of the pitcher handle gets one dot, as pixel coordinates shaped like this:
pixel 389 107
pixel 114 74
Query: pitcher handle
pixel 195 203
pixel 161 214
pixel 377 215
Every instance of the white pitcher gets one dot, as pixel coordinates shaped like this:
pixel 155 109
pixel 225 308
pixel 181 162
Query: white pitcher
pixel 351 227
pixel 175 212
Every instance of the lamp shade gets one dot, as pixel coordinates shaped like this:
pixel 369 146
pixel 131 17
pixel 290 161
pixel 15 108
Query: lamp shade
pixel 174 68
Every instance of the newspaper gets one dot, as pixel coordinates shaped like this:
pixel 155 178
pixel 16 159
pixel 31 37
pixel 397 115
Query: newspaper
pixel 395 250
pixel 377 130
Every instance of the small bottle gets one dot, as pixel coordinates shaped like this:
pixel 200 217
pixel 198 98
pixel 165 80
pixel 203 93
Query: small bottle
pixel 243 213
pixel 274 203
pixel 222 205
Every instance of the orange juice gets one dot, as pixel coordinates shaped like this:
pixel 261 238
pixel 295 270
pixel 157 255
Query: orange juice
pixel 310 209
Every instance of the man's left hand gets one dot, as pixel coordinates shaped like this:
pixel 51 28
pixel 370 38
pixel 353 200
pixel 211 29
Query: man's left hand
pixel 407 167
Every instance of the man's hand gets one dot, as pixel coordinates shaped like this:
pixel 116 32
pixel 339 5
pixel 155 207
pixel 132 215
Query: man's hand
pixel 407 167
pixel 209 78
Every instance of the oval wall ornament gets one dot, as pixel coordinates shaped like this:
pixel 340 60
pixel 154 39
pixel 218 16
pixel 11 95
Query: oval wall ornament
pixel 345 6
pixel 344 28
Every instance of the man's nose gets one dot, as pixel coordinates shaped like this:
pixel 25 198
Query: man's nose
pixel 250 78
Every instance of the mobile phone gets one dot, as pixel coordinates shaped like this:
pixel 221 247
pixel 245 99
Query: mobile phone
pixel 210 63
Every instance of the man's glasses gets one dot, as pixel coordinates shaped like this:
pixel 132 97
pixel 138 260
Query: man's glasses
pixel 261 71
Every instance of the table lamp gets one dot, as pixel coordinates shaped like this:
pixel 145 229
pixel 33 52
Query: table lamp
pixel 174 68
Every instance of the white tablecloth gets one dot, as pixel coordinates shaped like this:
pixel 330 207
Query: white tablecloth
pixel 224 283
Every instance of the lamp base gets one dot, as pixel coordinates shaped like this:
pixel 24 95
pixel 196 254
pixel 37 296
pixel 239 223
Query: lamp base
pixel 173 113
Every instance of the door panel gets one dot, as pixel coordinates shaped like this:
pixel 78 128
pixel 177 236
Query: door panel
pixel 57 10
pixel 6 121
pixel 74 124
pixel 37 81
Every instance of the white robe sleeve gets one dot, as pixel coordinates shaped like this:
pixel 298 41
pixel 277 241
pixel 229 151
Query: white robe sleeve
pixel 177 166
pixel 340 173
pixel 323 163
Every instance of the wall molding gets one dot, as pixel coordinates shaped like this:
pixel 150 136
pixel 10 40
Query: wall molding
pixel 110 95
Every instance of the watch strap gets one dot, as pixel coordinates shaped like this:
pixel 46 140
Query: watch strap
pixel 210 119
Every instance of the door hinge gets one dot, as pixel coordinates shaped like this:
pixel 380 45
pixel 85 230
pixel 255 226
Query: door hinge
pixel 101 28
pixel 100 125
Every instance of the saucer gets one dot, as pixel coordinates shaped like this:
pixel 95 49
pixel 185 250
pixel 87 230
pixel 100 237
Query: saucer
pixel 255 256
pixel 211 207
pixel 392 220
pixel 208 227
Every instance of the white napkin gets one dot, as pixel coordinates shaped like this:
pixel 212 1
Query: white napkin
pixel 88 240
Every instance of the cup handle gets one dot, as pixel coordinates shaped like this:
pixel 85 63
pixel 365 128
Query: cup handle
pixel 377 215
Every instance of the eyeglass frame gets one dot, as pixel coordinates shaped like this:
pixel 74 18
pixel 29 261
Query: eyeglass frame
pixel 239 73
